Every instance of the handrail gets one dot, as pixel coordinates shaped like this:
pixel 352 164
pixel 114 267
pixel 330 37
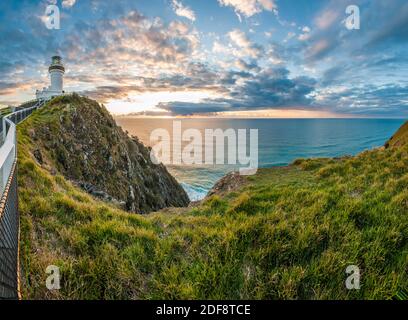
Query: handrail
pixel 9 214
pixel 8 151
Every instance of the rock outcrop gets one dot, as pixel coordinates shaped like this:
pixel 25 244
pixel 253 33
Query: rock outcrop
pixel 230 182
pixel 400 138
pixel 81 141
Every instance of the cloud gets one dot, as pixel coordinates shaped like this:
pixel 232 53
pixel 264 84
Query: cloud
pixel 326 18
pixel 332 74
pixel 319 49
pixel 246 48
pixel 197 78
pixel 243 65
pixel 271 88
pixel 122 54
pixel 384 26
pixel 239 52
pixel 395 31
pixel 183 11
pixel 68 3
pixel 239 38
pixel 185 109
pixel 236 91
pixel 107 51
pixel 9 87
pixel 6 67
pixel 386 100
pixel 277 54
pixel 305 35
pixel 220 48
pixel 249 7
pixel 150 44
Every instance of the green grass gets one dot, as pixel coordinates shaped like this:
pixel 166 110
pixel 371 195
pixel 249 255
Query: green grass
pixel 288 233
pixel 399 138
pixel 4 111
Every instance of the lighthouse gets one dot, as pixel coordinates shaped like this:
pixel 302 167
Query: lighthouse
pixel 56 71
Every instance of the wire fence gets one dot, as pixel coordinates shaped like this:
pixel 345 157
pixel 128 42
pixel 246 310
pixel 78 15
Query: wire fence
pixel 9 215
pixel 9 228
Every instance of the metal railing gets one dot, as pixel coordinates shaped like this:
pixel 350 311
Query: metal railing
pixel 9 238
pixel 9 216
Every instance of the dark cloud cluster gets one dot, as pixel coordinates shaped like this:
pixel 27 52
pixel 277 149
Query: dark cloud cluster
pixel 271 88
pixel 387 100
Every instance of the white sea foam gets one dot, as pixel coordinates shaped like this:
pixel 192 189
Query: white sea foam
pixel 195 193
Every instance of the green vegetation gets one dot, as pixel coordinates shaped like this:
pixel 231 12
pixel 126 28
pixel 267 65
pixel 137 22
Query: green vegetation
pixel 400 138
pixel 288 233
pixel 80 140
pixel 4 111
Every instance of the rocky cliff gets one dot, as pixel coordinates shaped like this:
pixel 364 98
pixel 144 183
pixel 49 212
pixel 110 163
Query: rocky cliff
pixel 78 138
pixel 400 138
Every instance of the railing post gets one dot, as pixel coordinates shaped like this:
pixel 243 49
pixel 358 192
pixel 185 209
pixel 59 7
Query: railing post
pixel 1 180
pixel 4 128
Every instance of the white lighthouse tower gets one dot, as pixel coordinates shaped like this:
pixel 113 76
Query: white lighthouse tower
pixel 56 71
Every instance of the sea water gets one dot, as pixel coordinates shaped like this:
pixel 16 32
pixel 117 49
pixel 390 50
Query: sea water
pixel 281 141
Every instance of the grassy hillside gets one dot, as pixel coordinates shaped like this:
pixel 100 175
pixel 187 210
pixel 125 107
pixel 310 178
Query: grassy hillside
pixel 288 233
pixel 400 138
pixel 78 138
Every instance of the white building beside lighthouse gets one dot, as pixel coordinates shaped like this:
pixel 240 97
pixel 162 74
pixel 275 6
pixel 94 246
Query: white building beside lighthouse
pixel 56 71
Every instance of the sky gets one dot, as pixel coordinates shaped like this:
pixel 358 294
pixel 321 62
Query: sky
pixel 213 57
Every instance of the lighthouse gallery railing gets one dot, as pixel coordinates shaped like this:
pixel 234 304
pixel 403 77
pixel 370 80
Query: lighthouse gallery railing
pixel 9 216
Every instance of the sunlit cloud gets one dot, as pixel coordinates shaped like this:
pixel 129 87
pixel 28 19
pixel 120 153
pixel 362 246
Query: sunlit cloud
pixel 68 3
pixel 249 7
pixel 183 11
pixel 246 48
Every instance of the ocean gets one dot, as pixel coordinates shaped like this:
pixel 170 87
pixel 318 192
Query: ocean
pixel 281 141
